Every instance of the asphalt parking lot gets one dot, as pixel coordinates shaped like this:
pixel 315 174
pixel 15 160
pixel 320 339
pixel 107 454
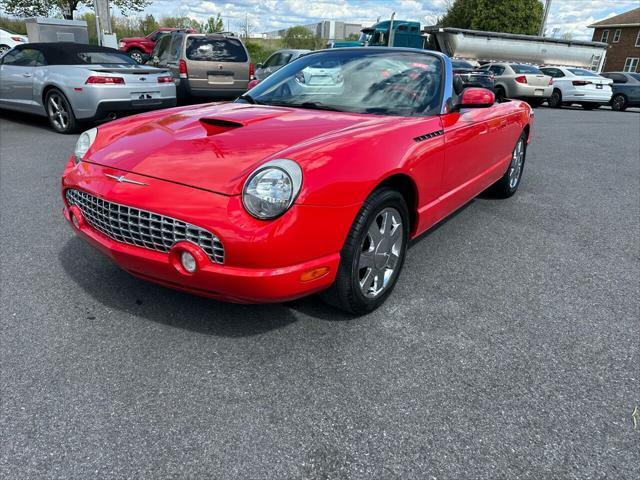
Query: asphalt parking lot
pixel 509 348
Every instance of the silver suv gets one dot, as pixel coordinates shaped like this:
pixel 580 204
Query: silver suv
pixel 213 65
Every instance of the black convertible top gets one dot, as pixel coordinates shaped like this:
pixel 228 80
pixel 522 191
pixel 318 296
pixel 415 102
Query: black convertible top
pixel 66 53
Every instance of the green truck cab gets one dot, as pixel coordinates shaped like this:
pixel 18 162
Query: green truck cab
pixel 393 33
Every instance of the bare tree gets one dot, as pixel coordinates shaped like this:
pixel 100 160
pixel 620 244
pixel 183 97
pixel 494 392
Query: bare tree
pixel 246 27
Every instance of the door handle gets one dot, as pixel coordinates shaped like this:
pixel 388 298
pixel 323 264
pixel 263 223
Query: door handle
pixel 26 75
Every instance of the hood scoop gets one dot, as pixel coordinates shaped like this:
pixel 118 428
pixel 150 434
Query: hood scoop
pixel 216 126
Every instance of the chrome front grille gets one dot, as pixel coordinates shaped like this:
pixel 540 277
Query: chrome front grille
pixel 142 228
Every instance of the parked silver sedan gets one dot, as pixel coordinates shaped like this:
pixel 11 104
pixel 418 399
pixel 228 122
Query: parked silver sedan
pixel 72 83
pixel 517 80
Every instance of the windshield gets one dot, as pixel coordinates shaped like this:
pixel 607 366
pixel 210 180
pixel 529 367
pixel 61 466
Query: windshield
pixel 101 58
pixel 461 64
pixel 359 81
pixel 580 72
pixel 635 75
pixel 525 69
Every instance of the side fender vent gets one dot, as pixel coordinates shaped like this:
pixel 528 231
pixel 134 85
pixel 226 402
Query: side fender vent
pixel 427 136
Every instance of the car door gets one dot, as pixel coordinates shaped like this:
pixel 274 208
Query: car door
pixel 171 60
pixel 16 78
pixel 267 68
pixel 634 88
pixel 478 142
pixel 160 52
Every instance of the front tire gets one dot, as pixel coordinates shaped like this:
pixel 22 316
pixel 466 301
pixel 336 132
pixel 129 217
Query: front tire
pixel 136 55
pixel 373 254
pixel 4 49
pixel 60 113
pixel 510 181
pixel 619 102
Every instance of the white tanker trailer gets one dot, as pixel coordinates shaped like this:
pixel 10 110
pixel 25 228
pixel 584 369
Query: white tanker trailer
pixel 494 46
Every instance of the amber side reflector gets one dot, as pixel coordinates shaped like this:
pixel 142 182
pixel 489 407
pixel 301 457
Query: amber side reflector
pixel 313 274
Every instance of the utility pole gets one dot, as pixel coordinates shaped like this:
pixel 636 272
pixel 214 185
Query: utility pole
pixel 543 25
pixel 103 19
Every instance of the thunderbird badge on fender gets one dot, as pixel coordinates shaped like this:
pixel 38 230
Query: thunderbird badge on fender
pixel 313 181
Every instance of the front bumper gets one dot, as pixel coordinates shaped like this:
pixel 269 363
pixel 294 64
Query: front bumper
pixel 264 261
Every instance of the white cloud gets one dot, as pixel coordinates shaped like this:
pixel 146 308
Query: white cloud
pixel 567 16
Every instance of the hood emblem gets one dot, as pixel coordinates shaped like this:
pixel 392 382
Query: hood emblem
pixel 123 179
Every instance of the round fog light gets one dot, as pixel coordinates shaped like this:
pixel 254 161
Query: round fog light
pixel 75 221
pixel 188 262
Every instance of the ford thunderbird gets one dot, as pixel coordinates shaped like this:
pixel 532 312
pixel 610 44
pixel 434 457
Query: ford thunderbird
pixel 313 181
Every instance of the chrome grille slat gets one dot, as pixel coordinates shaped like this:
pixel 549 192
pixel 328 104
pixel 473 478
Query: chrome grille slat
pixel 142 228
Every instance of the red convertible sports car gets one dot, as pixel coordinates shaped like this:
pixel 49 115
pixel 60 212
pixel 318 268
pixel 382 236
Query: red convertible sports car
pixel 313 181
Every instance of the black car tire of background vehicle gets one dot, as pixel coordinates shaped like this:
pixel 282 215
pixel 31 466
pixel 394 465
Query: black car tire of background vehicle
pixel 555 100
pixel 619 102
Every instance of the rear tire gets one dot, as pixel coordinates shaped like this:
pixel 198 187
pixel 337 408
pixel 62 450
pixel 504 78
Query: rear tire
pixel 590 106
pixel 510 181
pixel 60 113
pixel 373 254
pixel 619 102
pixel 555 100
pixel 500 94
pixel 4 49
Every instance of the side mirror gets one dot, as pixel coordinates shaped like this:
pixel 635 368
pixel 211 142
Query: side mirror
pixel 252 84
pixel 259 65
pixel 474 97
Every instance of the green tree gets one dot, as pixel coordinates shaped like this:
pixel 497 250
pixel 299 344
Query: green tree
pixel 148 25
pixel 299 37
pixel 214 24
pixel 30 8
pixel 509 16
pixel 181 22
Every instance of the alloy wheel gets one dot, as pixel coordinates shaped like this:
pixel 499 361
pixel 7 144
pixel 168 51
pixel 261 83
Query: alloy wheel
pixel 618 102
pixel 4 49
pixel 136 56
pixel 58 112
pixel 380 253
pixel 517 159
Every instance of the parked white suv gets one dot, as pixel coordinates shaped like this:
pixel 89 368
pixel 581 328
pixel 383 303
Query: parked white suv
pixel 578 85
pixel 8 40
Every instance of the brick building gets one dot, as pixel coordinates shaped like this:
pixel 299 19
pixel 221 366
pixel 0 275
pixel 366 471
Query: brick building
pixel 622 33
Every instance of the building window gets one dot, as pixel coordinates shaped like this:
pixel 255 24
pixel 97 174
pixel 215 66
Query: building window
pixel 638 39
pixel 630 64
pixel 616 35
pixel 605 36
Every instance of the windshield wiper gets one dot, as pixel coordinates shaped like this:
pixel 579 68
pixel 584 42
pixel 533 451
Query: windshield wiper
pixel 310 105
pixel 249 99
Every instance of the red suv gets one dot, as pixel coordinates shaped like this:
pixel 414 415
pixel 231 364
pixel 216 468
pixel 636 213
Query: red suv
pixel 138 46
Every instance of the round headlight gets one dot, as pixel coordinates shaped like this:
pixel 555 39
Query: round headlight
pixel 272 188
pixel 83 144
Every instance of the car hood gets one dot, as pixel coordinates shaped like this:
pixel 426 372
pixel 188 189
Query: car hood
pixel 215 147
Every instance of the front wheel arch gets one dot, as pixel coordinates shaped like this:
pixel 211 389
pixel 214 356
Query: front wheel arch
pixel 405 186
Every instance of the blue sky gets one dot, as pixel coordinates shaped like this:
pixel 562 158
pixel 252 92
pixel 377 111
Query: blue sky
pixel 570 16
